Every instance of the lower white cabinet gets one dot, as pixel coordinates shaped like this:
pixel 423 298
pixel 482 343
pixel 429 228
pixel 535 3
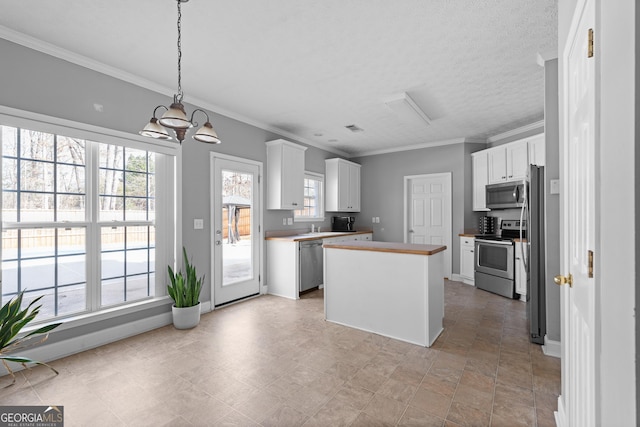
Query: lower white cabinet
pixel 521 272
pixel 467 259
pixel 283 262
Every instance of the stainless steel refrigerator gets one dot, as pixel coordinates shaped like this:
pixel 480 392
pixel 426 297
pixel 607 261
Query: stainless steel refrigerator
pixel 535 265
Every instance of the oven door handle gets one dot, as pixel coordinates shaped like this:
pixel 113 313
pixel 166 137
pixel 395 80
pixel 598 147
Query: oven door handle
pixel 496 242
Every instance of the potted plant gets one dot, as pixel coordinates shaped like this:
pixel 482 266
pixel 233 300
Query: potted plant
pixel 185 289
pixel 12 320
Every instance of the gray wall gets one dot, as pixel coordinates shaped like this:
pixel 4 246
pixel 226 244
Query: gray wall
pixel 552 201
pixel 36 82
pixel 383 192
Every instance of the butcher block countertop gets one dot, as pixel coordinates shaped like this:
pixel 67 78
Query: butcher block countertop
pixel 315 236
pixel 401 248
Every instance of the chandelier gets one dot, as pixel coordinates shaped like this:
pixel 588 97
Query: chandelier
pixel 175 116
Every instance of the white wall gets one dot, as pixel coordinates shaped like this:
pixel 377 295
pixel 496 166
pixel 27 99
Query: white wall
pixel 615 216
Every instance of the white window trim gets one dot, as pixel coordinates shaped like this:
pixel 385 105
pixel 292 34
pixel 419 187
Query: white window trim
pixel 39 122
pixel 320 177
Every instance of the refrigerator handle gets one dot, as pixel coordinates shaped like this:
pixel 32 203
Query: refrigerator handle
pixel 525 254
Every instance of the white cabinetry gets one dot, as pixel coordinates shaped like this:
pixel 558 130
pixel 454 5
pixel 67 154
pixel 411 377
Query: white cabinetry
pixel 342 186
pixel 480 180
pixel 467 259
pixel 537 150
pixel 508 162
pixel 283 262
pixel 521 273
pixel 285 175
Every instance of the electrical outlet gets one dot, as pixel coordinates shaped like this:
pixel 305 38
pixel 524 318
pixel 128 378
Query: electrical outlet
pixel 198 224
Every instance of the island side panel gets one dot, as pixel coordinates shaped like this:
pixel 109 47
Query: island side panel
pixel 283 268
pixel 435 296
pixel 380 292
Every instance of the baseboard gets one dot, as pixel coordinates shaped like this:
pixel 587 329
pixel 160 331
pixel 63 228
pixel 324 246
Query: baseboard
pixel 561 415
pixel 458 278
pixel 206 307
pixel 551 348
pixel 58 350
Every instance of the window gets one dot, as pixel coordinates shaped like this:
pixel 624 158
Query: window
pixel 79 220
pixel 313 209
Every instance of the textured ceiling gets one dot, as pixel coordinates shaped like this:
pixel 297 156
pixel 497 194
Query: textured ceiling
pixel 310 68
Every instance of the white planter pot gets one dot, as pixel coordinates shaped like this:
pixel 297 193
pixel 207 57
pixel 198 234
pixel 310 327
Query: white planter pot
pixel 186 317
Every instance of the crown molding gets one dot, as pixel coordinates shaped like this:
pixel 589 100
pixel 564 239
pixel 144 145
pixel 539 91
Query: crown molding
pixel 517 131
pixel 77 59
pixel 420 146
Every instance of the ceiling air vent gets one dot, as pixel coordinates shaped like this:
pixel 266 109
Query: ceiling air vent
pixel 354 128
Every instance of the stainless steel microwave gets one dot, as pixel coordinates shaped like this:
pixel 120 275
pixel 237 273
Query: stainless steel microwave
pixel 506 195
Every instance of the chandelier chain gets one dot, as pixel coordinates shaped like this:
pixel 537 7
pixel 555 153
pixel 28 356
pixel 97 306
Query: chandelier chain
pixel 180 95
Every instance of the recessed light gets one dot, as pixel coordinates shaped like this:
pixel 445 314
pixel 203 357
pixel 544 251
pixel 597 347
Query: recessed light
pixel 333 140
pixel 317 134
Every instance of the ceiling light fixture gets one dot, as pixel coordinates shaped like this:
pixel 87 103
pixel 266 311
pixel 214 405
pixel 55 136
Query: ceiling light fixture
pixel 175 116
pixel 406 109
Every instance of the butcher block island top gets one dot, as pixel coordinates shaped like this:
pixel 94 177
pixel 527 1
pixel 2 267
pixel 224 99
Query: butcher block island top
pixel 391 289
pixel 399 248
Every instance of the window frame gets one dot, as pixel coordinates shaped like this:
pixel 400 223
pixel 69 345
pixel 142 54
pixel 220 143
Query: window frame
pixel 168 215
pixel 320 200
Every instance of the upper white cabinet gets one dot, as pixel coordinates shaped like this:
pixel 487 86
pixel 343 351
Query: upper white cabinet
pixel 537 150
pixel 342 183
pixel 508 162
pixel 285 175
pixel 480 180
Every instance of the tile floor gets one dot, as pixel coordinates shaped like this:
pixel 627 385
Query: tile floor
pixel 275 362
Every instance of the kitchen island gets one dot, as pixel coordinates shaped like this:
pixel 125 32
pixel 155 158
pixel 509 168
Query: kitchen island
pixel 392 289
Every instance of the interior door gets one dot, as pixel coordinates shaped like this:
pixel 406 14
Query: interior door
pixel 428 212
pixel 236 229
pixel 577 403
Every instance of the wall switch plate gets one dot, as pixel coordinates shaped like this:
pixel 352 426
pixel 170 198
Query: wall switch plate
pixel 284 221
pixel 555 186
pixel 198 224
pixel 289 221
pixel 373 220
pixel 377 220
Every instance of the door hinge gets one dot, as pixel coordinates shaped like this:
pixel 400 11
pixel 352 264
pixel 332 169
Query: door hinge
pixel 259 178
pixel 590 268
pixel 590 44
pixel 259 278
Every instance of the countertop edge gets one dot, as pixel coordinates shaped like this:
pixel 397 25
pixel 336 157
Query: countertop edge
pixel 364 246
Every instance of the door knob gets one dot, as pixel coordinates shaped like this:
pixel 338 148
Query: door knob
pixel 561 280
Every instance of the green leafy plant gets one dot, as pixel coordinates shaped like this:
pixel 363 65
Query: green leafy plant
pixel 12 320
pixel 185 288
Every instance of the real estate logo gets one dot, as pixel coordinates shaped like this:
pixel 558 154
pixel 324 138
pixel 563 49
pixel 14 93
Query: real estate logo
pixel 31 416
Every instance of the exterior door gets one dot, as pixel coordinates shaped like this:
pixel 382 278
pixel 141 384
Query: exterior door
pixel 577 405
pixel 236 229
pixel 428 212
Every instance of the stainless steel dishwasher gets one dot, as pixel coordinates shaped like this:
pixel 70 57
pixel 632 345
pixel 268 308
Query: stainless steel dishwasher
pixel 311 261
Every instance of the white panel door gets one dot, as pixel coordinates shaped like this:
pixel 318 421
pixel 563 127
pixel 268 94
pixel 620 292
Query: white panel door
pixel 577 404
pixel 428 212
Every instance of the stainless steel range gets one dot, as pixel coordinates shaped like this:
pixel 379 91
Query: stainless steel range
pixel 495 260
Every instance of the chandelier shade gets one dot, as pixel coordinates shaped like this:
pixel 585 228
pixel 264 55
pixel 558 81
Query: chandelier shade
pixel 175 117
